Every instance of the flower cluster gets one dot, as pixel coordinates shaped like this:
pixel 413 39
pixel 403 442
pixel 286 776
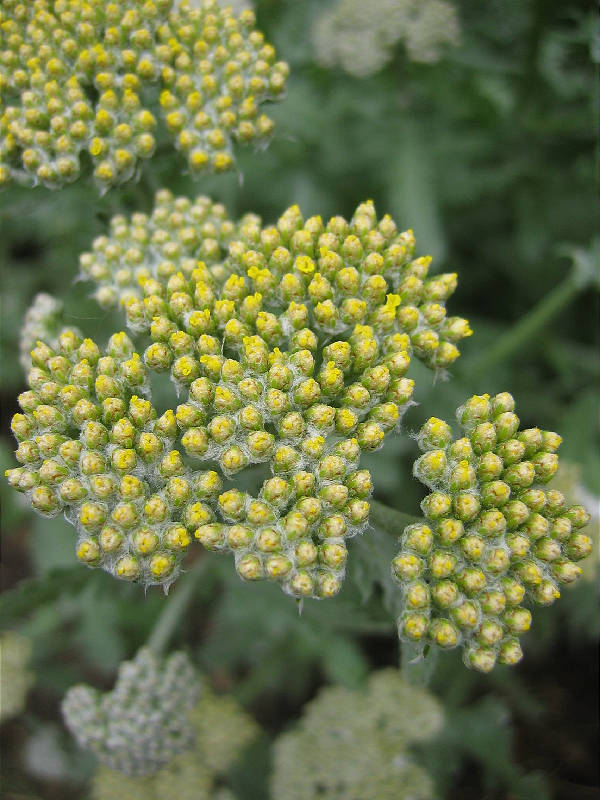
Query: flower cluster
pixel 355 744
pixel 15 678
pixel 144 721
pixel 220 729
pixel 360 37
pixel 289 344
pixel 491 536
pixel 84 76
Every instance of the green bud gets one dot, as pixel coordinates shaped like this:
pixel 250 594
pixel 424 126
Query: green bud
pixel 443 633
pixel 212 536
pixel 445 593
pixel 482 659
pixel 413 626
pixel 407 567
pixel 510 652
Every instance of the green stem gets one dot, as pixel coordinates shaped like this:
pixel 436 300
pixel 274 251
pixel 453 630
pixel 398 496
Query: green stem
pixel 528 326
pixel 146 187
pixel 175 606
pixel 390 519
pixel 416 668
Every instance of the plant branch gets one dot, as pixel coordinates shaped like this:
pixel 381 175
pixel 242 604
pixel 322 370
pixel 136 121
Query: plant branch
pixel 529 325
pixel 416 667
pixel 390 519
pixel 175 607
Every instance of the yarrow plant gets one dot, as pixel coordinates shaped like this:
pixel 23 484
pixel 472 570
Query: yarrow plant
pixel 289 351
pixel 289 346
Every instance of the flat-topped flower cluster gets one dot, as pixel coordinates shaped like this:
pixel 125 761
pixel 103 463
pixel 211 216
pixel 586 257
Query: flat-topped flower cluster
pixel 288 345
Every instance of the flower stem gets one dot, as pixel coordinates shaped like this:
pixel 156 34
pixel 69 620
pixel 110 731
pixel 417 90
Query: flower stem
pixel 167 621
pixel 390 519
pixel 528 326
pixel 417 667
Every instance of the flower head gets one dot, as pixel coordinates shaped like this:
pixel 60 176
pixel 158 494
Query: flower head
pixel 356 744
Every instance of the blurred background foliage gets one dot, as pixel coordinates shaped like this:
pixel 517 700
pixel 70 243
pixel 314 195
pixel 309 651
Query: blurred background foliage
pixel 488 154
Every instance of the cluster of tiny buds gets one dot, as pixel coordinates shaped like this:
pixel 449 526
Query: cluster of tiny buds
pixel 207 69
pixel 222 731
pixel 144 721
pixel 492 536
pixel 187 269
pixel 93 447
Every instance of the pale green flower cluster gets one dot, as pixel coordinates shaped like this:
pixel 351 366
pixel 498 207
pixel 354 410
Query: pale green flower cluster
pixel 90 76
pixel 493 535
pixel 144 721
pixel 359 37
pixel 288 345
pixel 15 677
pixel 355 744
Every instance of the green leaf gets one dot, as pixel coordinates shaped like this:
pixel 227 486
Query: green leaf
pixel 481 733
pixel 33 592
pixel 343 662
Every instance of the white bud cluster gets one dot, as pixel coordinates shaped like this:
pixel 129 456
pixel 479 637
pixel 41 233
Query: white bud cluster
pixel 144 721
pixel 359 37
pixel 222 731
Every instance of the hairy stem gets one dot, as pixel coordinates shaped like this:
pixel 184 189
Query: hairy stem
pixel 166 624
pixel 416 667
pixel 390 519
pixel 528 326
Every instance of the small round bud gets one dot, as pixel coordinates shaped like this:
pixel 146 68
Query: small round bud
pixel 443 633
pixel 407 567
pixel 413 626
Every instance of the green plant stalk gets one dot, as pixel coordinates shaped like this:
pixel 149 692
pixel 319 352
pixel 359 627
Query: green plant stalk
pixel 417 667
pixel 529 325
pixel 390 519
pixel 175 607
